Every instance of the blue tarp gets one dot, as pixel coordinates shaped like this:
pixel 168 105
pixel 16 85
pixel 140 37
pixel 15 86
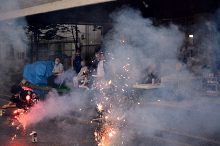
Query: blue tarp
pixel 38 72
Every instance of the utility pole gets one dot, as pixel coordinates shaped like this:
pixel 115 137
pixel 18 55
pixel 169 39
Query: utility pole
pixel 76 44
pixel 36 40
pixel 31 50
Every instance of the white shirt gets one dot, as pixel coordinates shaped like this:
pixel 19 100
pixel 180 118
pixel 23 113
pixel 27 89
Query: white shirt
pixel 82 71
pixel 58 67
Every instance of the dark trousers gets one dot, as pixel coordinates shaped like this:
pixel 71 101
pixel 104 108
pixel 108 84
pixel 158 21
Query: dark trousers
pixel 50 81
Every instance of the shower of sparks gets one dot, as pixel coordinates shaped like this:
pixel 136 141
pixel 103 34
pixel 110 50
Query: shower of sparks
pixel 110 109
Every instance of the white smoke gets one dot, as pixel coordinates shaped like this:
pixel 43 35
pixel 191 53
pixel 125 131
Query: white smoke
pixel 56 106
pixel 135 41
pixel 13 43
pixel 133 45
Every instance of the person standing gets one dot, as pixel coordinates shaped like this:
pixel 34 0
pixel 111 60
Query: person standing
pixel 58 68
pixel 101 82
pixel 76 61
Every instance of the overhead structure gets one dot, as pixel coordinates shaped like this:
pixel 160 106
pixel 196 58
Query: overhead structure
pixel 90 12
pixel 48 7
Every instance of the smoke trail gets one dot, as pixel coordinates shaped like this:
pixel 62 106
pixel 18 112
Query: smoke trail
pixel 55 106
pixel 13 44
pixel 133 45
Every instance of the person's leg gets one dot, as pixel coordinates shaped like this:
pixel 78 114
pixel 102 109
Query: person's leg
pixel 49 81
pixel 53 82
pixel 75 82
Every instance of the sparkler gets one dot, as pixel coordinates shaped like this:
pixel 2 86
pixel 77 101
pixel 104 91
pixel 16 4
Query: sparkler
pixel 15 121
pixel 111 107
pixel 24 132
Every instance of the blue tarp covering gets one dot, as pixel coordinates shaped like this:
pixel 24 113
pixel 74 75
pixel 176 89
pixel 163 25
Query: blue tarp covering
pixel 38 72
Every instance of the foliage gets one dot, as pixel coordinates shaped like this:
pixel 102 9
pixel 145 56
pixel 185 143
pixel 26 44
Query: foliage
pixel 51 31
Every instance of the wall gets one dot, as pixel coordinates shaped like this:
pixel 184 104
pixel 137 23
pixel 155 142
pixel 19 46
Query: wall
pixel 88 37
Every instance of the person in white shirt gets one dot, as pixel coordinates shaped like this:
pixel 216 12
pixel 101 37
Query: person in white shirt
pixel 101 82
pixel 80 75
pixel 100 68
pixel 58 68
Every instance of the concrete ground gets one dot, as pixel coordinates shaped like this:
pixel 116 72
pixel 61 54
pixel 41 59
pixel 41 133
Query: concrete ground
pixel 69 130
pixel 73 130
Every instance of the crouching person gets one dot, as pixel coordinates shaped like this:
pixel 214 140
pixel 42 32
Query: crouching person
pixel 80 75
pixel 18 97
pixel 58 68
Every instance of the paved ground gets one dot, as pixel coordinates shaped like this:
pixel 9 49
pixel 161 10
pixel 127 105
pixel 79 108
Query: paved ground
pixel 70 130
pixel 180 123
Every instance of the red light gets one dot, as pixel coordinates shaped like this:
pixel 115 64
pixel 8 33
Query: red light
pixel 15 112
pixel 28 97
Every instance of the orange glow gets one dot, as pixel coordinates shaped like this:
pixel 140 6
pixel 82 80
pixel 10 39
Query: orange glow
pixel 28 97
pixel 99 106
pixel 13 137
pixel 110 134
pixel 15 112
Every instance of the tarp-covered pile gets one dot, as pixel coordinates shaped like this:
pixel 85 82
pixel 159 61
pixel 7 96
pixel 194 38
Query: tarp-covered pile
pixel 38 72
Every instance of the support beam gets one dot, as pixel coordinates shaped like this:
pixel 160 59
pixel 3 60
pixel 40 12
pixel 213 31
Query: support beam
pixel 49 7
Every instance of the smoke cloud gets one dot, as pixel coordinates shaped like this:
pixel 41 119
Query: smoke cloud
pixel 133 45
pixel 56 105
pixel 13 45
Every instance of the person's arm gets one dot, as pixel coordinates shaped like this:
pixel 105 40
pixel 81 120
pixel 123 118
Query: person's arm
pixel 72 62
pixel 58 72
pixel 9 105
pixel 53 72
pixel 84 81
pixel 83 85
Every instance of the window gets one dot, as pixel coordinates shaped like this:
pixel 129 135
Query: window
pixel 9 52
pixel 43 50
pixel 62 48
pixel 0 51
pixel 19 55
pixel 68 49
pixel 56 48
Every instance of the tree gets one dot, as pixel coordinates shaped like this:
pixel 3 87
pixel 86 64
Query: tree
pixel 40 32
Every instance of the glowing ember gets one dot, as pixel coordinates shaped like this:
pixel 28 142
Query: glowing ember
pixel 24 132
pixel 28 97
pixel 110 134
pixel 99 106
pixel 14 137
pixel 15 112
